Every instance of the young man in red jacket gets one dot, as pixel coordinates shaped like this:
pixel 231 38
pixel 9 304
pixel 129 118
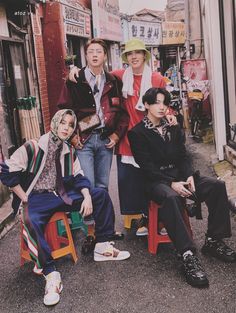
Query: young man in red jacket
pixel 96 97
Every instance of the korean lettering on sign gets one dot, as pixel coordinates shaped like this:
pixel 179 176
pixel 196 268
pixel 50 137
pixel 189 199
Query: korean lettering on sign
pixel 173 33
pixel 149 32
pixel 76 22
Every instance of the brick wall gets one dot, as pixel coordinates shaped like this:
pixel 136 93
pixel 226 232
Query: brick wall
pixel 86 3
pixel 41 69
pixel 54 51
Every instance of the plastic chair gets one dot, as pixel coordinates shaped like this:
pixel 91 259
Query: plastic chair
pixel 154 238
pixel 60 245
pixel 75 221
pixel 128 219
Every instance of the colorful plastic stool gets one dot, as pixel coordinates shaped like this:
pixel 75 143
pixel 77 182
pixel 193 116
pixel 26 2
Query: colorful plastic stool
pixel 154 238
pixel 76 222
pixel 60 245
pixel 128 219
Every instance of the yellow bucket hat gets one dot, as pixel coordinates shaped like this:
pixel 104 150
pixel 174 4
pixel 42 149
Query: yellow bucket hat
pixel 132 45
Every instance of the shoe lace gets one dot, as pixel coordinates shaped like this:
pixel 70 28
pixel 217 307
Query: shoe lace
pixel 193 264
pixel 52 285
pixel 142 222
pixel 112 248
pixel 222 247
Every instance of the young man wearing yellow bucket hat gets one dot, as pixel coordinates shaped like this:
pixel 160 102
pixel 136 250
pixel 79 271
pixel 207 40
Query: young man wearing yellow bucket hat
pixel 137 78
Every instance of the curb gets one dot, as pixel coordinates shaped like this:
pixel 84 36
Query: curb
pixel 7 218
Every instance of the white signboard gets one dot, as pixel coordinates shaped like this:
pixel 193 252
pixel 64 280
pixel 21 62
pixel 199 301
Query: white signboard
pixel 77 22
pixel 148 32
pixel 17 72
pixel 106 19
pixel 3 22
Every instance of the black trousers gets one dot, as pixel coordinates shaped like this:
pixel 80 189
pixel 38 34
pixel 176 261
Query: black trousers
pixel 208 189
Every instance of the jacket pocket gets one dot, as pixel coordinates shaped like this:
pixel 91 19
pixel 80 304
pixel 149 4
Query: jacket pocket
pixel 115 101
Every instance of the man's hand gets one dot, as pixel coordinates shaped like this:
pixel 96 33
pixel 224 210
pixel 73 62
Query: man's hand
pixel 172 120
pixel 191 185
pixel 74 73
pixel 180 188
pixel 86 206
pixel 20 193
pixel 75 141
pixel 113 141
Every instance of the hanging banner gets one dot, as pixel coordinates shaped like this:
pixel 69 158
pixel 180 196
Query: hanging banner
pixel 106 20
pixel 173 33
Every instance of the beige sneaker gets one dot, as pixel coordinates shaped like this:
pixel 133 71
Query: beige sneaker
pixel 105 251
pixel 163 231
pixel 53 288
pixel 142 231
pixel 142 226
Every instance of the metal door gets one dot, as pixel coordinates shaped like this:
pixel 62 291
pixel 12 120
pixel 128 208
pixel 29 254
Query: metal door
pixel 15 86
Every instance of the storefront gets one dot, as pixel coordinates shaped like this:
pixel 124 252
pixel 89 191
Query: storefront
pixel 16 75
pixel 173 39
pixel 78 30
pixel 66 30
pixel 107 26
pixel 17 79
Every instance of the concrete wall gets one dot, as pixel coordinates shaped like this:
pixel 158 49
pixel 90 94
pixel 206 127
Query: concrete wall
pixel 211 27
pixel 230 58
pixel 195 28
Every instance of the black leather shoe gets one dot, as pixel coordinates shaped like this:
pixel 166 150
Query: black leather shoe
pixel 88 245
pixel 117 236
pixel 194 272
pixel 219 250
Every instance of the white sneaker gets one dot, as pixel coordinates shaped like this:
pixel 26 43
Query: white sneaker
pixel 142 231
pixel 104 251
pixel 142 225
pixel 163 231
pixel 53 288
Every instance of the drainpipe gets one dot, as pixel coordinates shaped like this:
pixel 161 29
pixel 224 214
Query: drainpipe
pixel 187 26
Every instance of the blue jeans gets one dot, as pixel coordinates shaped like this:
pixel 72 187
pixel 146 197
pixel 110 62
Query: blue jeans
pixel 95 160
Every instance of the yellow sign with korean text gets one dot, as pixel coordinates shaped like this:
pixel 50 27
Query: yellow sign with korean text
pixel 173 33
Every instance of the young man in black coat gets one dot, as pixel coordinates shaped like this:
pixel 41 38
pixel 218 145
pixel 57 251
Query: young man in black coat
pixel 160 152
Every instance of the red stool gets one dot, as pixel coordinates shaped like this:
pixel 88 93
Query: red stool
pixel 60 245
pixel 154 238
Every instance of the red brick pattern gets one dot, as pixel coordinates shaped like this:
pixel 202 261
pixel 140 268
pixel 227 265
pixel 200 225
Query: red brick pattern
pixel 49 41
pixel 40 61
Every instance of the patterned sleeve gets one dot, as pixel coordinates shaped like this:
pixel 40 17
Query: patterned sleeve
pixel 10 170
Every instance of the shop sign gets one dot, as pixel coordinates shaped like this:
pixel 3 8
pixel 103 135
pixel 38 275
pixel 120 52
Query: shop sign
pixel 148 32
pixel 106 19
pixel 3 22
pixel 76 22
pixel 173 33
pixel 195 69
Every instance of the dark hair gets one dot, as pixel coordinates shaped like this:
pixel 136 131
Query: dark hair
pixel 150 95
pixel 98 41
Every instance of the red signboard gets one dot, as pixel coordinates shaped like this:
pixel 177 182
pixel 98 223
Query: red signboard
pixel 195 69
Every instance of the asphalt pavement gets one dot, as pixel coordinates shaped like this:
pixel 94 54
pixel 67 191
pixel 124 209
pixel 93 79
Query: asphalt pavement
pixel 145 283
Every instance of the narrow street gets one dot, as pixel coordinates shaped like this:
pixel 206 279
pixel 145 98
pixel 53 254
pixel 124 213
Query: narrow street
pixel 144 283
